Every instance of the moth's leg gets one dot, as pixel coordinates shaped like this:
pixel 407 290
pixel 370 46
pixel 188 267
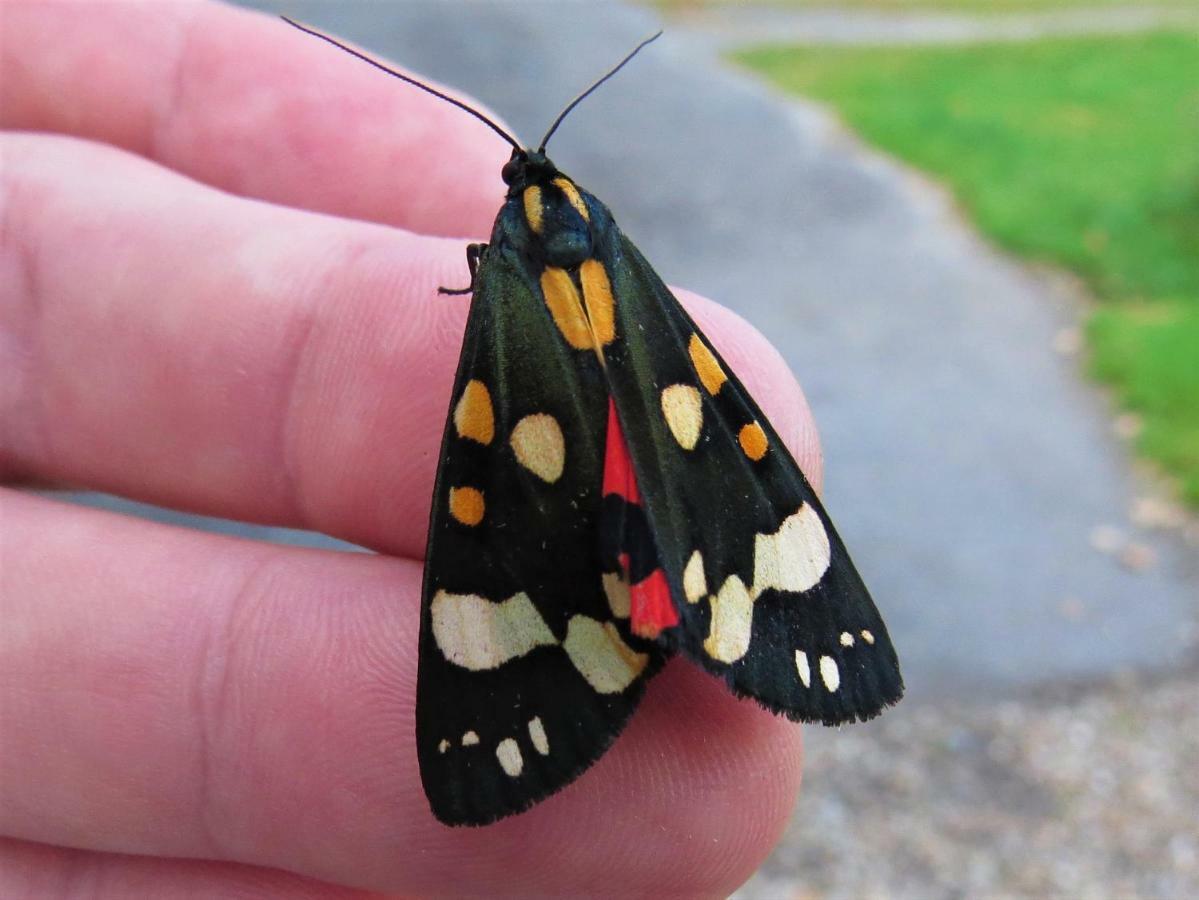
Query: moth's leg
pixel 473 253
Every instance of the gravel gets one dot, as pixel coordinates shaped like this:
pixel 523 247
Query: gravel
pixel 1085 791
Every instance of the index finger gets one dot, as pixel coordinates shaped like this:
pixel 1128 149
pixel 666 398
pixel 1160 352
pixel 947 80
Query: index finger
pixel 245 103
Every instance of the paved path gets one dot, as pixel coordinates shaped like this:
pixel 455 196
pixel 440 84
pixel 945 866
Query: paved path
pixel 738 25
pixel 968 463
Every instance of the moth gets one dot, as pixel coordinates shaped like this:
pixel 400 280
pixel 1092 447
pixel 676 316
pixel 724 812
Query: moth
pixel 609 495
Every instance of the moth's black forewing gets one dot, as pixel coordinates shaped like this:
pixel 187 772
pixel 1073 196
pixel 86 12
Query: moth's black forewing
pixel 716 500
pixel 536 538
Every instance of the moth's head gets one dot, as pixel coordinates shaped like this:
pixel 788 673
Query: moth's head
pixel 525 168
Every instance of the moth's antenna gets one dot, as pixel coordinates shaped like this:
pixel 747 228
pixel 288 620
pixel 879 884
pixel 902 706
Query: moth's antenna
pixel 412 81
pixel 579 99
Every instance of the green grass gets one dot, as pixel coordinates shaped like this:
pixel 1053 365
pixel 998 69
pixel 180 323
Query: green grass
pixel 1082 153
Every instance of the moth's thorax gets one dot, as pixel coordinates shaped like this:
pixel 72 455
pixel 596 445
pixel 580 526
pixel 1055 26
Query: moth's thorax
pixel 551 207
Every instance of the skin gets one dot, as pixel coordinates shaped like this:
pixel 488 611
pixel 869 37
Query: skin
pixel 221 244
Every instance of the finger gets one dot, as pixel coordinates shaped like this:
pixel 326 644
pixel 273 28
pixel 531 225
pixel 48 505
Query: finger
pixel 237 359
pixel 206 697
pixel 38 870
pixel 248 104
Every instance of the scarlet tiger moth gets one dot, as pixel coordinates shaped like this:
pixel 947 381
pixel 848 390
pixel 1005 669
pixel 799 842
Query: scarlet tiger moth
pixel 608 495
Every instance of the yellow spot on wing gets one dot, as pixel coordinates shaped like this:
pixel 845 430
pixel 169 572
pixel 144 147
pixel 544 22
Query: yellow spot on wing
pixel 563 301
pixel 572 194
pixel 753 441
pixel 473 416
pixel 479 634
pixel 533 211
pixel 601 656
pixel 706 366
pixel 684 412
pixel 597 295
pixel 539 446
pixel 732 622
pixel 466 505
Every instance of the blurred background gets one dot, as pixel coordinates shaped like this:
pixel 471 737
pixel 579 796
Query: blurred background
pixel 972 229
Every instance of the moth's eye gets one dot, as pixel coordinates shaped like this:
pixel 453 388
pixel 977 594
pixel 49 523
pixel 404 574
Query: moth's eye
pixel 510 170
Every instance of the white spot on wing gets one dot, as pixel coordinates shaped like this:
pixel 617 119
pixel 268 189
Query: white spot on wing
pixel 596 649
pixel 867 636
pixel 829 673
pixel 508 753
pixel 801 666
pixel 684 412
pixel 795 557
pixel 470 739
pixel 846 639
pixel 732 621
pixel 477 633
pixel 537 735
pixel 695 585
pixel 443 746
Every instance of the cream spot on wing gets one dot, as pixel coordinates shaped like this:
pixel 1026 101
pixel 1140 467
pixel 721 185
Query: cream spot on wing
pixel 478 634
pixel 801 666
pixel 695 584
pixel 711 376
pixel 829 673
pixel 846 639
pixel 616 589
pixel 795 557
pixel 684 412
pixel 732 621
pixel 539 446
pixel 470 739
pixel 604 660
pixel 443 746
pixel 537 735
pixel 867 636
pixel 597 297
pixel 562 298
pixel 508 753
pixel 473 416
pixel 466 505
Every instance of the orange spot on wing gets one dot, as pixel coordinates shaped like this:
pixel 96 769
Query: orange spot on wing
pixel 597 295
pixel 572 194
pixel 706 366
pixel 563 301
pixel 533 212
pixel 753 441
pixel 466 505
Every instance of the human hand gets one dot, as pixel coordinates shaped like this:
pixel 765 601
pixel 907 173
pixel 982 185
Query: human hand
pixel 184 712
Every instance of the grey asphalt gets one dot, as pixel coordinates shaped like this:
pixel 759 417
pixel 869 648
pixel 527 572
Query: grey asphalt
pixel 968 464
